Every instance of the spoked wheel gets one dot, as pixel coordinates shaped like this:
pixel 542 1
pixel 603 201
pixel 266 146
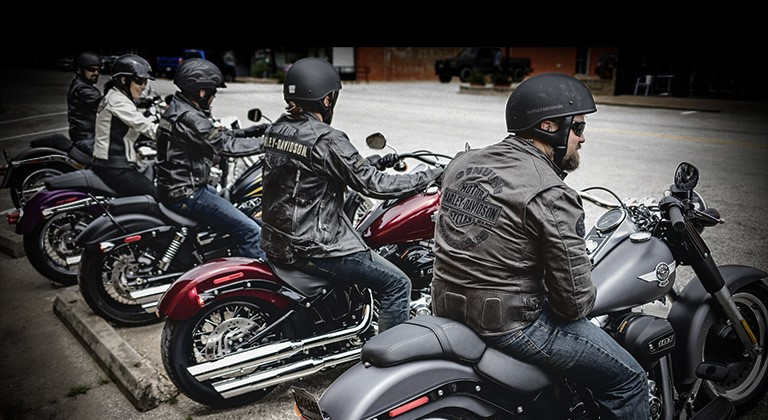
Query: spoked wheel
pixel 746 380
pixel 226 327
pixel 107 280
pixel 51 248
pixel 31 183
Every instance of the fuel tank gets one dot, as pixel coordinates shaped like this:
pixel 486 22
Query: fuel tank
pixel 402 221
pixel 249 184
pixel 632 273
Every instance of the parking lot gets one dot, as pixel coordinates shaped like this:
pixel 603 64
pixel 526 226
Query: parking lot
pixel 48 373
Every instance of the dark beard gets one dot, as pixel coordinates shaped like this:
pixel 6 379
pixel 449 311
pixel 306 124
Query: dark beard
pixel 570 162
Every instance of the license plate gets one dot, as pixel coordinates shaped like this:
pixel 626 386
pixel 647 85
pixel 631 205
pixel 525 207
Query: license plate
pixel 307 404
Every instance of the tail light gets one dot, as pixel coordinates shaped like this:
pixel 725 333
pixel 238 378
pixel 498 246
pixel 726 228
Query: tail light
pixel 13 217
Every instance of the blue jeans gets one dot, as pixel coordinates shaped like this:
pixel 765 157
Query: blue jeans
pixel 368 269
pixel 207 207
pixel 584 353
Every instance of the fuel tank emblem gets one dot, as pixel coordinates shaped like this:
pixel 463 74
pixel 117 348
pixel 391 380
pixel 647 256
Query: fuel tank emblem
pixel 662 273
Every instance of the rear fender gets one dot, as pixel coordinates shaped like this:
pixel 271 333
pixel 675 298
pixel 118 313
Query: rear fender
pixel 432 383
pixel 222 278
pixel 103 228
pixel 45 199
pixel 695 311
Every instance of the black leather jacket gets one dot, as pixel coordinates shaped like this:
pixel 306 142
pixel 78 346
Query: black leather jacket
pixel 308 166
pixel 83 99
pixel 188 144
pixel 509 234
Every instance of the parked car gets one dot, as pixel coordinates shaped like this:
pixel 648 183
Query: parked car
pixel 483 61
pixel 166 65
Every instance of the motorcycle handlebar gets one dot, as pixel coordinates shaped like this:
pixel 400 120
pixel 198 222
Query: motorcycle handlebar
pixel 676 218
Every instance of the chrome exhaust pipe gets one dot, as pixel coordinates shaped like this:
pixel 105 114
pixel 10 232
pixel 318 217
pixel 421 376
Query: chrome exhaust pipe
pixel 250 360
pixel 74 205
pixel 238 386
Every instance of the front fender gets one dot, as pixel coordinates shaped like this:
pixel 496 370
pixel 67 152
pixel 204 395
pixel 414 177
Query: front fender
pixel 217 279
pixel 44 199
pixel 695 311
pixel 104 228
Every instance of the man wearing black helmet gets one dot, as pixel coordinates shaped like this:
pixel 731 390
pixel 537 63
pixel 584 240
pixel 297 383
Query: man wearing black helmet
pixel 511 261
pixel 83 99
pixel 189 143
pixel 308 166
pixel 119 124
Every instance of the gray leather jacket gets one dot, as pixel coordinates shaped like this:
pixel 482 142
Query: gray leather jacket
pixel 188 144
pixel 509 234
pixel 308 166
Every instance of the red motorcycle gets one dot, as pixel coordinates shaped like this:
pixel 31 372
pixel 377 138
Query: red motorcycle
pixel 237 327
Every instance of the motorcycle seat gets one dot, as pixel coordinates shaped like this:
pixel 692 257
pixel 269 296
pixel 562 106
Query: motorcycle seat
pixel 56 141
pixel 306 284
pixel 80 156
pixel 433 337
pixel 144 204
pixel 83 180
pixel 176 218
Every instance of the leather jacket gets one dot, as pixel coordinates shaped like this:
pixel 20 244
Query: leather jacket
pixel 119 123
pixel 509 234
pixel 83 100
pixel 188 144
pixel 308 166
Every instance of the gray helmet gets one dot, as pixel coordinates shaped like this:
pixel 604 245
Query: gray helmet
pixel 549 96
pixel 196 73
pixel 308 81
pixel 87 59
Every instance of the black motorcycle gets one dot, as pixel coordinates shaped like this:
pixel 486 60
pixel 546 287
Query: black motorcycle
pixel 704 358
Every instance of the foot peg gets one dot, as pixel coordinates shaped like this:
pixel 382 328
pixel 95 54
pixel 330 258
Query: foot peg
pixel 718 409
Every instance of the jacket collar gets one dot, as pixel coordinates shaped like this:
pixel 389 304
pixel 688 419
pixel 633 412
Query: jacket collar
pixel 528 147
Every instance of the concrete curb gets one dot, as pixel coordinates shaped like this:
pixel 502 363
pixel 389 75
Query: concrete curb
pixel 143 385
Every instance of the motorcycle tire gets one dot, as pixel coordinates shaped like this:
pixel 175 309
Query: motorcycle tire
pixel 30 180
pixel 102 281
pixel 747 380
pixel 52 242
pixel 189 342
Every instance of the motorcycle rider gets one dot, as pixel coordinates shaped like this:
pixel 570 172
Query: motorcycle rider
pixel 189 143
pixel 510 258
pixel 119 124
pixel 83 99
pixel 308 166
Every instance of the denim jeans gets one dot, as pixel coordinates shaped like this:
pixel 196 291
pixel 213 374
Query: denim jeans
pixel 368 269
pixel 585 354
pixel 205 206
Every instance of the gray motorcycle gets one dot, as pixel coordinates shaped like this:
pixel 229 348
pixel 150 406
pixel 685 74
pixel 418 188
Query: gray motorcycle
pixel 703 353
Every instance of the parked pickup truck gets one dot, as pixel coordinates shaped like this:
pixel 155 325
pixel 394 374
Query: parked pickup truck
pixel 482 60
pixel 166 65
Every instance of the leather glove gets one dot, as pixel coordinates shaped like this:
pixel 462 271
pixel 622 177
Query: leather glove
pixel 143 102
pixel 256 130
pixel 389 160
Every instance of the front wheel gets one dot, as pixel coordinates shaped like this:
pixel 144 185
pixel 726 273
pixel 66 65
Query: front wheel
pixel 50 247
pixel 223 328
pixel 107 280
pixel 746 381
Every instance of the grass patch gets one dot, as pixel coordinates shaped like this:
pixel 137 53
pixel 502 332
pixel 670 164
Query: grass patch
pixel 78 390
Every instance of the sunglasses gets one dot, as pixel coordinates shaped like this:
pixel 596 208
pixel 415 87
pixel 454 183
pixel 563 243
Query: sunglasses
pixel 578 127
pixel 139 80
pixel 93 69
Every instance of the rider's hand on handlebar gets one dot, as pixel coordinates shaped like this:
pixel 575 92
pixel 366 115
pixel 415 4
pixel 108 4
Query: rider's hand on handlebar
pixel 388 161
pixel 256 130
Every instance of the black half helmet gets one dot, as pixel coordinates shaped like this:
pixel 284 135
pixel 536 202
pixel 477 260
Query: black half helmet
pixel 87 59
pixel 308 81
pixel 548 96
pixel 132 65
pixel 196 73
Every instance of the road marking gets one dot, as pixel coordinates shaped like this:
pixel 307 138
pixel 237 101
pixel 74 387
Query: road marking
pixel 33 117
pixel 686 138
pixel 35 134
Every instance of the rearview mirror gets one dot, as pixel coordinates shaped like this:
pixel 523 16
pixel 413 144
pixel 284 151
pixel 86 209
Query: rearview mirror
pixel 254 114
pixel 376 141
pixel 686 176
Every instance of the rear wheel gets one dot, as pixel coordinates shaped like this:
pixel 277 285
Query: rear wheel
pixel 50 247
pixel 108 279
pixel 30 181
pixel 444 77
pixel 746 381
pixel 223 328
pixel 465 73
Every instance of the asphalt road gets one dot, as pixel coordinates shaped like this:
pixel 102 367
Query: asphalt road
pixel 47 373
